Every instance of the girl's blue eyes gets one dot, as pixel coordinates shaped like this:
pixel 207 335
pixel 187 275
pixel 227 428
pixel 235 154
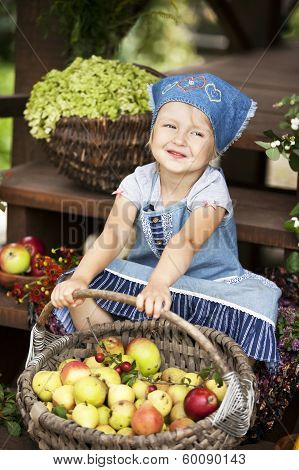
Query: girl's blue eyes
pixel 171 125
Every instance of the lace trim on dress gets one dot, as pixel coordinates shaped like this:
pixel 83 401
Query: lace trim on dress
pixel 167 226
pixel 148 234
pixel 251 275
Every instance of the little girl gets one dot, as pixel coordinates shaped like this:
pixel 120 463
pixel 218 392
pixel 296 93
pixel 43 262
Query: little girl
pixel 185 258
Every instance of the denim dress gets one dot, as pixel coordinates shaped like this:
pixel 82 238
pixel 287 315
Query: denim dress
pixel 216 291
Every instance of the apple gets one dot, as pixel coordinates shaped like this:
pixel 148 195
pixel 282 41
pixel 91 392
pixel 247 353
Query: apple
pixel 177 393
pixel 63 363
pixel 64 396
pixel 14 258
pixel 181 423
pixel 49 405
pixel 44 383
pixel 108 376
pixel 178 411
pixel 104 414
pixel 106 429
pixel 122 413
pixel 147 420
pixel 126 431
pixel 199 403
pixel 90 390
pixel 92 363
pixel 113 345
pixel 140 388
pixel 146 355
pixel 139 402
pixel 86 415
pixel 219 391
pixel 120 392
pixel 161 400
pixel 192 378
pixel 73 371
pixel 33 245
pixel 173 375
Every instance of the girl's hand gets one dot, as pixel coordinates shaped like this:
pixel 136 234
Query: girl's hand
pixel 62 295
pixel 154 299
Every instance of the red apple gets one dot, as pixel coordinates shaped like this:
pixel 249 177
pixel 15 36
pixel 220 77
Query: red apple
pixel 73 371
pixel 147 420
pixel 199 403
pixel 33 244
pixel 14 258
pixel 181 423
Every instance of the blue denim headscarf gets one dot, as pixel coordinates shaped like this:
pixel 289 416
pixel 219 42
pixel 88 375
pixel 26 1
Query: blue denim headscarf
pixel 227 108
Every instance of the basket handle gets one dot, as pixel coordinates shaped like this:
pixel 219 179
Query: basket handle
pixel 192 331
pixel 148 69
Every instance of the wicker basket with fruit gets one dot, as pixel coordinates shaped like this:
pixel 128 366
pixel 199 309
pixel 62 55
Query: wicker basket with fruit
pixel 138 385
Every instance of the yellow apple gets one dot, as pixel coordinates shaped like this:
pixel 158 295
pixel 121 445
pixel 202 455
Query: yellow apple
pixel 161 401
pixel 219 391
pixel 178 411
pixel 107 375
pixel 139 402
pixel 104 414
pixel 73 371
pixel 120 392
pixel 106 429
pixel 177 393
pixel 86 415
pixel 126 431
pixel 173 374
pixel 146 355
pixel 92 363
pixel 192 379
pixel 122 413
pixel 140 388
pixel 64 395
pixel 90 390
pixel 44 383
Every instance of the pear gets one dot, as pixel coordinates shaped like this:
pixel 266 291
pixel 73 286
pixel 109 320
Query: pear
pixel 45 382
pixel 92 363
pixel 178 411
pixel 173 374
pixel 50 406
pixel 126 431
pixel 104 414
pixel 90 390
pixel 139 402
pixel 122 413
pixel 140 388
pixel 146 355
pixel 120 392
pixel 86 415
pixel 219 391
pixel 107 375
pixel 192 379
pixel 161 401
pixel 106 429
pixel 177 393
pixel 157 378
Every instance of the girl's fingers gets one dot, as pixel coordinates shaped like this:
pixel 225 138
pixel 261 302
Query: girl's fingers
pixel 158 307
pixel 139 302
pixel 149 307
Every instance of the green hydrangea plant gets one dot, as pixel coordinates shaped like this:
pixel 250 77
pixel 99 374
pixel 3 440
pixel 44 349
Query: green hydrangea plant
pixel 287 146
pixel 91 88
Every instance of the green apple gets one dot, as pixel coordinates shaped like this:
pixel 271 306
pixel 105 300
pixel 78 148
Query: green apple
pixel 106 429
pixel 140 388
pixel 14 258
pixel 104 414
pixel 45 382
pixel 173 375
pixel 107 375
pixel 126 431
pixel 92 363
pixel 120 392
pixel 219 391
pixel 122 413
pixel 86 415
pixel 146 355
pixel 90 390
pixel 178 411
pixel 161 401
pixel 64 395
pixel 178 393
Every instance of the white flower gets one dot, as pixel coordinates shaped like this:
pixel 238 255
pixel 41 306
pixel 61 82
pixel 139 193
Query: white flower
pixel 293 142
pixel 296 221
pixel 273 144
pixel 295 123
pixel 287 147
pixel 277 143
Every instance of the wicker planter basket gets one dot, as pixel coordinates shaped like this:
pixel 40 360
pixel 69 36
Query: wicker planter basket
pixel 99 153
pixel 181 345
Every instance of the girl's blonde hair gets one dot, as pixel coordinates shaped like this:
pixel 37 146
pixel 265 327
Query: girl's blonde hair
pixel 215 161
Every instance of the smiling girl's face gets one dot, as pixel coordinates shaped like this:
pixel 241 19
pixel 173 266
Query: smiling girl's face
pixel 183 139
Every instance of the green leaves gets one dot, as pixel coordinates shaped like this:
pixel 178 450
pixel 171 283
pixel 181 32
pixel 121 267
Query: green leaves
pixel 60 411
pixel 9 412
pixel 292 262
pixel 273 153
pixel 89 88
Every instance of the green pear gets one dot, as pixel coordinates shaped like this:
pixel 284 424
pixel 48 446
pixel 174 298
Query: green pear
pixel 106 429
pixel 104 414
pixel 140 388
pixel 146 355
pixel 178 411
pixel 107 375
pixel 90 390
pixel 45 382
pixel 120 392
pixel 178 393
pixel 126 431
pixel 122 413
pixel 173 374
pixel 161 401
pixel 86 415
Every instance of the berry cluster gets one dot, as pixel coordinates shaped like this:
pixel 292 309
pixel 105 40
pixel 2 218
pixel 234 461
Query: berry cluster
pixel 39 292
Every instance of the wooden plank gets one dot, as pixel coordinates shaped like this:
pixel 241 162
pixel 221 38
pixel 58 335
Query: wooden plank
pixel 259 214
pixel 13 106
pixel 12 314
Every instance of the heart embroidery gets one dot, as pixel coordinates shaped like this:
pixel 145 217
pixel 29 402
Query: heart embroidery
pixel 213 93
pixel 192 83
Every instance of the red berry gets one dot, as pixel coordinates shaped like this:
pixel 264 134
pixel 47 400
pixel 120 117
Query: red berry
pixel 151 388
pixel 118 369
pixel 126 366
pixel 99 357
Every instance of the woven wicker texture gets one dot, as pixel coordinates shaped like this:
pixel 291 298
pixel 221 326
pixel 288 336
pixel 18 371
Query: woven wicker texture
pixel 181 345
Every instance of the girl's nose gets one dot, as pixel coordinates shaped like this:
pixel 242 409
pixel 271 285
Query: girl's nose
pixel 179 138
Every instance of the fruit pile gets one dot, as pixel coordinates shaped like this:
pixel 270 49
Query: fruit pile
pixel 118 391
pixel 20 257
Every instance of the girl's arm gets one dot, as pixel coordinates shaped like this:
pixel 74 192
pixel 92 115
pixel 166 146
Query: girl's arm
pixel 111 241
pixel 177 257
